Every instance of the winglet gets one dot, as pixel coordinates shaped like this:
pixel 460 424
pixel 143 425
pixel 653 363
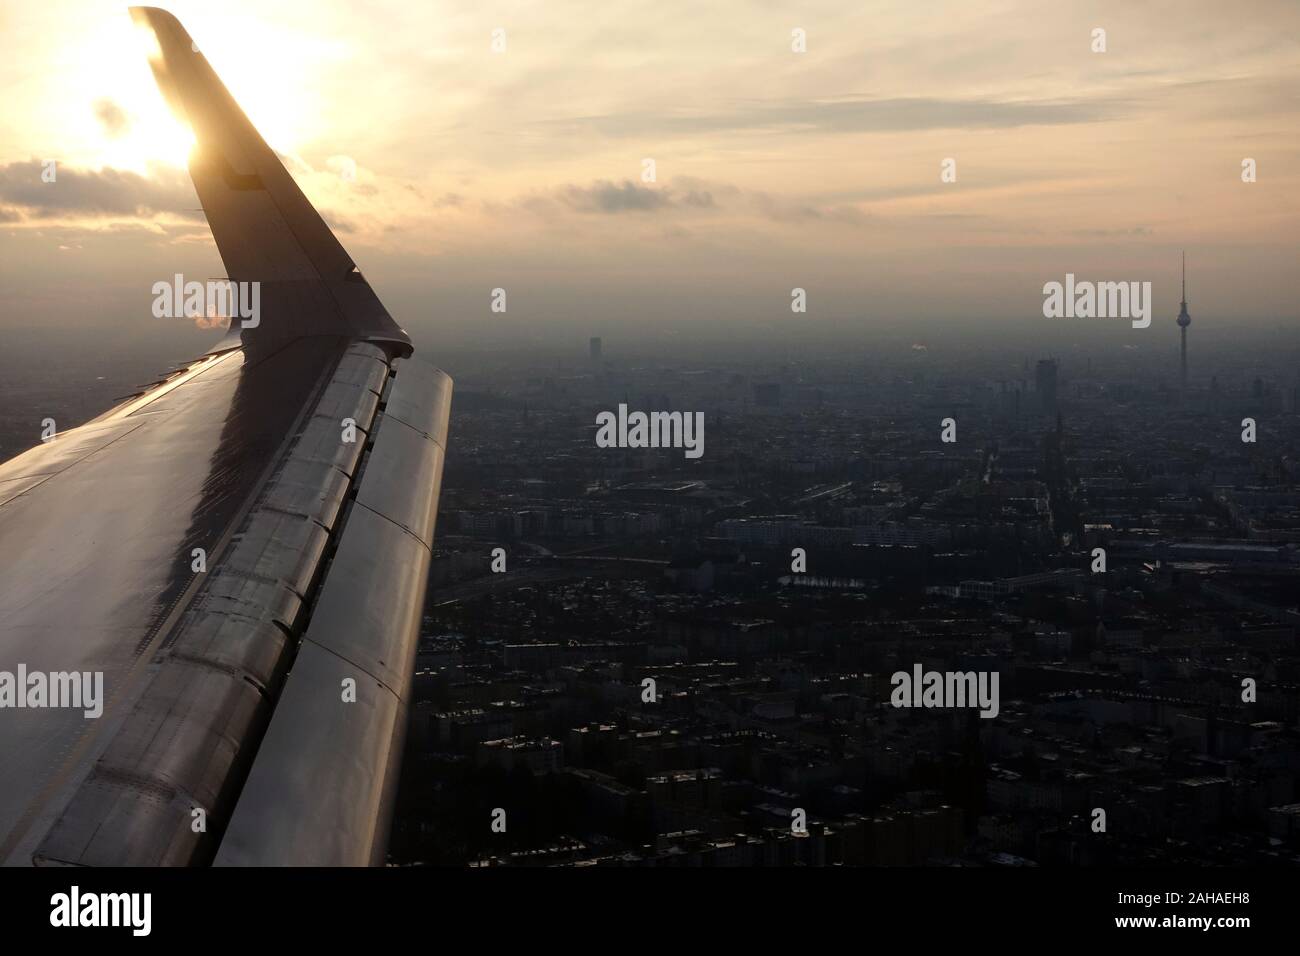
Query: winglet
pixel 265 228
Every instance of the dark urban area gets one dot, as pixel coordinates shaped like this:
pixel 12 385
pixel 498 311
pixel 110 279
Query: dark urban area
pixel 633 657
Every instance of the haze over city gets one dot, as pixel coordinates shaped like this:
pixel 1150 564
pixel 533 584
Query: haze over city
pixel 450 169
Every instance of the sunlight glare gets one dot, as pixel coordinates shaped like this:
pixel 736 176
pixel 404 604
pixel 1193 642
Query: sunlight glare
pixel 152 134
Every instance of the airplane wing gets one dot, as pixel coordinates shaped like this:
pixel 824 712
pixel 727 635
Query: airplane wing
pixel 240 552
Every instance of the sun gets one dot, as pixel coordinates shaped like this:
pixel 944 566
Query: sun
pixel 123 121
pixel 149 133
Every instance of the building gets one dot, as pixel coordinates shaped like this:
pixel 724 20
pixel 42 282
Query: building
pixel 1184 320
pixel 539 756
pixel 1045 380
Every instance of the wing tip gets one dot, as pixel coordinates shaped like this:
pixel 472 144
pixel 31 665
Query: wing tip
pixel 230 154
pixel 152 16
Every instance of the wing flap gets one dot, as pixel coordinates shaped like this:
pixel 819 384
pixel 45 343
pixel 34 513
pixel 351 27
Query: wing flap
pixel 186 745
pixel 98 557
pixel 320 812
pixel 320 789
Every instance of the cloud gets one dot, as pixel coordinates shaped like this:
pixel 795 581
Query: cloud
pixel 610 197
pixel 111 117
pixel 901 114
pixel 343 166
pixel 96 193
pixel 1112 233
pixel 337 222
pixel 294 164
pixel 605 197
pixel 699 199
pixel 685 195
pixel 782 210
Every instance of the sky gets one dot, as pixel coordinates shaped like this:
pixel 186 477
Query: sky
pixel 523 168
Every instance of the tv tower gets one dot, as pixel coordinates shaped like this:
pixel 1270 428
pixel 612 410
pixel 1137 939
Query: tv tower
pixel 1184 320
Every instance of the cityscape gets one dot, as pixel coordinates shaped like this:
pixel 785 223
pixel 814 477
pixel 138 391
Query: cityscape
pixel 635 656
pixel 630 657
pixel 856 441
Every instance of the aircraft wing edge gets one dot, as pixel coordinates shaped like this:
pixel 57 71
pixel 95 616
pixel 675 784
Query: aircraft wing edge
pixel 321 787
pixel 342 528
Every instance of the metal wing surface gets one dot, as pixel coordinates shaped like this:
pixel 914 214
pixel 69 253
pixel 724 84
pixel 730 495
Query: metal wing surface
pixel 253 709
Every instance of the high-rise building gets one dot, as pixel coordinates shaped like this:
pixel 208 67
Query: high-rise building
pixel 1184 320
pixel 1045 384
pixel 594 345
